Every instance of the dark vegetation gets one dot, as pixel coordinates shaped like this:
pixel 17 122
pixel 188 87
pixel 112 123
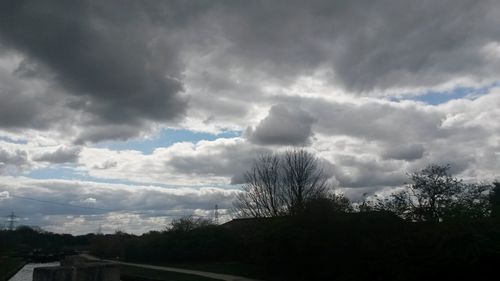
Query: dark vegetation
pixel 437 227
pixel 356 246
pixel 25 242
pixel 29 245
pixel 9 266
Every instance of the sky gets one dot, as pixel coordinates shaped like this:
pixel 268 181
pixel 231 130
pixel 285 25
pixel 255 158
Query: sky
pixel 124 115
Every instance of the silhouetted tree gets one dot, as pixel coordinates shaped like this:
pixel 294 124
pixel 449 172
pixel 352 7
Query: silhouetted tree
pixel 435 195
pixel 263 191
pixel 281 184
pixel 188 223
pixel 303 179
pixel 495 200
pixel 329 205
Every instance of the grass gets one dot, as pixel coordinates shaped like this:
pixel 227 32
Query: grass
pixel 133 273
pixel 9 266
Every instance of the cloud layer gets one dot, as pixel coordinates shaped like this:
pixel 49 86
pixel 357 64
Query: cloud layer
pixel 117 69
pixel 351 81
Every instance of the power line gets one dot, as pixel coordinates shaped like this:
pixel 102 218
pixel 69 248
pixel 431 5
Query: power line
pixel 11 219
pixel 100 209
pixel 61 204
pixel 216 214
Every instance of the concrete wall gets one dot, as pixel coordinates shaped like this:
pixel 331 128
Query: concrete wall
pixel 55 273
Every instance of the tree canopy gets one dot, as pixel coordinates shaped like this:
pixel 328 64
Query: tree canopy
pixel 435 195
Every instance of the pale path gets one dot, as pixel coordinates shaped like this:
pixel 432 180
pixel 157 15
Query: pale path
pixel 220 276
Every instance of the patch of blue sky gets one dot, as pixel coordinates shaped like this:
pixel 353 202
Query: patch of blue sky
pixel 7 139
pixel 165 138
pixel 55 172
pixel 436 97
pixel 69 173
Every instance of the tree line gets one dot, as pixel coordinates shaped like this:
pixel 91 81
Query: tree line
pixel 289 183
pixel 294 228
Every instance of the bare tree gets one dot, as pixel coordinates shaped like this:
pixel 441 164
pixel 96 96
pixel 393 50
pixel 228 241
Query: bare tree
pixel 281 184
pixel 303 179
pixel 263 191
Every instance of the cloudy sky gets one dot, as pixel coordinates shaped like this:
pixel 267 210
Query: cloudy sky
pixel 126 114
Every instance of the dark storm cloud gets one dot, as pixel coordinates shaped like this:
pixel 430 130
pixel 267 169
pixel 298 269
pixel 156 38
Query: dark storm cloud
pixel 108 54
pixel 416 43
pixel 61 155
pixel 369 45
pixel 128 62
pixel 24 104
pixel 18 110
pixel 283 126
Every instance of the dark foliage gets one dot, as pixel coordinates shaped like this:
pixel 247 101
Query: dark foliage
pixel 24 240
pixel 435 195
pixel 344 246
pixel 324 243
pixel 189 223
pixel 449 231
pixel 495 200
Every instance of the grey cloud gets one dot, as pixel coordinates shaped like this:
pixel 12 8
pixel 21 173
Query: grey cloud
pixel 283 126
pixel 30 69
pixel 459 157
pixel 372 45
pixel 129 64
pixel 108 164
pixel 18 110
pixel 376 120
pixel 402 127
pixel 404 152
pixel 114 58
pixel 104 132
pixel 25 105
pixel 61 155
pixel 220 97
pixel 226 161
pixel 408 43
pixel 356 172
pixel 17 160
